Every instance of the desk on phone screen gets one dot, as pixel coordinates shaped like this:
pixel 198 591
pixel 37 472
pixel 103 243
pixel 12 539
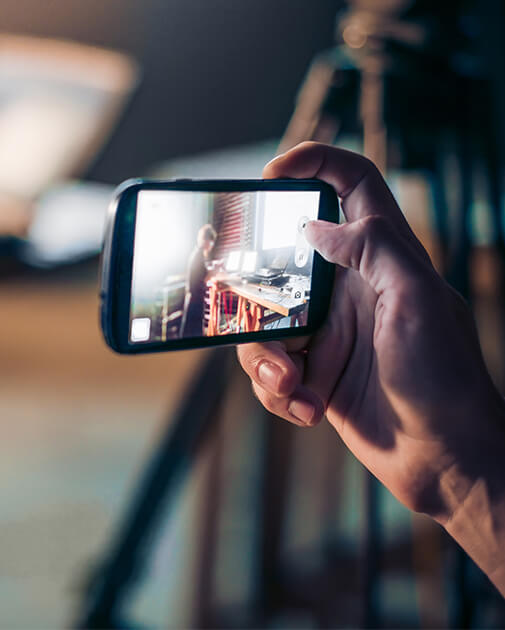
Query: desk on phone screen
pixel 257 305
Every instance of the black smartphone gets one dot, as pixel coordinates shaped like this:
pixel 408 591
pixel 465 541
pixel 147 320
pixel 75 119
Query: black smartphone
pixel 195 263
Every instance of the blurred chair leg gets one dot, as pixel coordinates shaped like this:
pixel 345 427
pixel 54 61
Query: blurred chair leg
pixel 371 552
pixel 203 609
pixel 278 456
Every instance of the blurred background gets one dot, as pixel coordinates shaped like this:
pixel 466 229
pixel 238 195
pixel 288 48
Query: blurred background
pixel 153 491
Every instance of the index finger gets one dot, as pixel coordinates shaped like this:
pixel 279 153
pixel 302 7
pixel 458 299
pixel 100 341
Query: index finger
pixel 356 180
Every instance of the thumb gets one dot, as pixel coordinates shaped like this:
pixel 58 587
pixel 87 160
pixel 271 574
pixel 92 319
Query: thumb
pixel 372 247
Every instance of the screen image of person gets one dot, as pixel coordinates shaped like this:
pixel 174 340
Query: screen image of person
pixel 196 278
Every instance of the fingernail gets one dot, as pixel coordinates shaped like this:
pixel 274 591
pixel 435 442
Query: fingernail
pixel 269 374
pixel 302 410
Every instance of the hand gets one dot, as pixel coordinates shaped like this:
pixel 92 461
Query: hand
pixel 397 367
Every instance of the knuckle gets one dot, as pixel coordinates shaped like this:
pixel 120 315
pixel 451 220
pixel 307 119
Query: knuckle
pixel 309 145
pixel 312 151
pixel 371 173
pixel 371 168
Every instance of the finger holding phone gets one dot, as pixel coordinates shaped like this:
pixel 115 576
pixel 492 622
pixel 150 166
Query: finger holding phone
pixel 397 367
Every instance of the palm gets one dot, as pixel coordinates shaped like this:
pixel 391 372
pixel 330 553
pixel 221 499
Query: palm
pixel 352 364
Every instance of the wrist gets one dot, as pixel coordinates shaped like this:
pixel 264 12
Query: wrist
pixel 475 456
pixel 472 491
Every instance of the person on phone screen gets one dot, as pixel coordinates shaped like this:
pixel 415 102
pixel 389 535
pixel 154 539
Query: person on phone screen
pixel 397 368
pixel 196 277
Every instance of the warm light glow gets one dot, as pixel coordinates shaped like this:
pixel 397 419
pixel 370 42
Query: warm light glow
pixel 59 101
pixel 166 231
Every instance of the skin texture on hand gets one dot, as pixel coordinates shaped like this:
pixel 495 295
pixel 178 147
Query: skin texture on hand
pixel 397 367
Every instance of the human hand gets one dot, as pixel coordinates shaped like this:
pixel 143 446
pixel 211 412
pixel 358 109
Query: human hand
pixel 397 367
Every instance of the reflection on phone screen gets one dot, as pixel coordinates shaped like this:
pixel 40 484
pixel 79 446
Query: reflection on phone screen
pixel 207 264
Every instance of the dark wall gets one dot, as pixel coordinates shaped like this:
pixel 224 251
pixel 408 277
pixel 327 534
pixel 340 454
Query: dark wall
pixel 216 72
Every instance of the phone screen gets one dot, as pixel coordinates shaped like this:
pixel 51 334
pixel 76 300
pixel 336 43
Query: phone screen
pixel 218 263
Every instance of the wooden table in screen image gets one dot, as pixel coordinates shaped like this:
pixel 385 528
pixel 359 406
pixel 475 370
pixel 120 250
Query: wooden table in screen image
pixel 257 306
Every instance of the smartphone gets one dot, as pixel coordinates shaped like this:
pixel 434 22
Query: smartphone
pixel 189 264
